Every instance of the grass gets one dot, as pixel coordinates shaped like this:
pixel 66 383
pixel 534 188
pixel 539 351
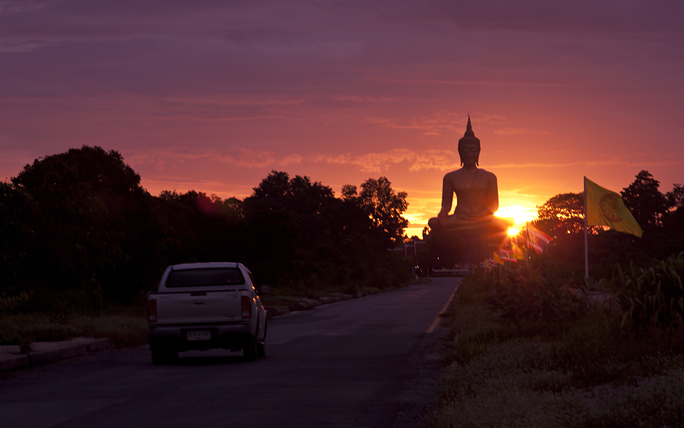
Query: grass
pixel 581 372
pixel 61 316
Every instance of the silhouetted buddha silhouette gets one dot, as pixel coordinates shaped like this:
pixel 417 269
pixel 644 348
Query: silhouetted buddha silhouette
pixel 477 194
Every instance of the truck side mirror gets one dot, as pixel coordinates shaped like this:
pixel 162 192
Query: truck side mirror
pixel 264 289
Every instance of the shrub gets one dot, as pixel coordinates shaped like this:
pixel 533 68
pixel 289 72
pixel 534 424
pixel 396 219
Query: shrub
pixel 651 297
pixel 526 296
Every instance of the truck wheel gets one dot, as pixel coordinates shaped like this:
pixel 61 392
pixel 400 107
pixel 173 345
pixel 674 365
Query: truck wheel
pixel 163 354
pixel 261 344
pixel 250 351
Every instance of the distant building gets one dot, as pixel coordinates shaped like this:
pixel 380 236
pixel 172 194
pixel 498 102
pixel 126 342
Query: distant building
pixel 411 249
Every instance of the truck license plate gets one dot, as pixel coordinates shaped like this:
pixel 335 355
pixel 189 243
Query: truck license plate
pixel 199 335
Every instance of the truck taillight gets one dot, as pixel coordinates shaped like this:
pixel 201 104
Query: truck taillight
pixel 152 310
pixel 246 308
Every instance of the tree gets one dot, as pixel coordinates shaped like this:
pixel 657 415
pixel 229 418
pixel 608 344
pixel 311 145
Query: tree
pixel 298 195
pixel 16 238
pixel 675 198
pixel 96 227
pixel 55 175
pixel 382 205
pixel 276 185
pixel 644 200
pixel 562 214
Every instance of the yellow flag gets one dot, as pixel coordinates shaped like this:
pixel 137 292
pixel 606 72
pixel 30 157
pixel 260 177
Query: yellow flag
pixel 605 207
pixel 517 252
pixel 496 258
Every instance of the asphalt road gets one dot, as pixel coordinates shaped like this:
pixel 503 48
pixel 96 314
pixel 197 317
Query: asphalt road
pixel 348 364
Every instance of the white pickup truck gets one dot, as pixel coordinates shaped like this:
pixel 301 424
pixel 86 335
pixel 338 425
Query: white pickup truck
pixel 199 306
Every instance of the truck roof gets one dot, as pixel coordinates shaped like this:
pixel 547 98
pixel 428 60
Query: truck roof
pixel 184 266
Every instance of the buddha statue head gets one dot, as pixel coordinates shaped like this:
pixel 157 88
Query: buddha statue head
pixel 469 147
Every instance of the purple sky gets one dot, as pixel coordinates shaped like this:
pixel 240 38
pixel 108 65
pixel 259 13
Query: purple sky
pixel 212 95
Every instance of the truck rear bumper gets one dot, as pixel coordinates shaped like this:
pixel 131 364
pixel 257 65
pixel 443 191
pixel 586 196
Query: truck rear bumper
pixel 233 336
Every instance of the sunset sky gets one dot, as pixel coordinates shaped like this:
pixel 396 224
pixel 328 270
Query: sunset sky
pixel 213 95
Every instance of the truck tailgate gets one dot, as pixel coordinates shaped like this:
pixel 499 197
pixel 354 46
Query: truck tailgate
pixel 198 308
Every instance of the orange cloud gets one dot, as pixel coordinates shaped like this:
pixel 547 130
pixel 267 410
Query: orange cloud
pixel 518 131
pixel 241 157
pixel 588 163
pixel 441 160
pixel 469 82
pixel 215 119
pixel 234 102
pixel 291 159
pixel 360 99
pixel 437 124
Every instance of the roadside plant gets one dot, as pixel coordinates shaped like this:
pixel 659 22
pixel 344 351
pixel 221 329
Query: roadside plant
pixel 527 296
pixel 653 296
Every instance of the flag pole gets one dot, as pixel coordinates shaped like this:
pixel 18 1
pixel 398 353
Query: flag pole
pixel 500 262
pixel 527 243
pixel 586 240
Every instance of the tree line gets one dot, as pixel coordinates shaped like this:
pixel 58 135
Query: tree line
pixel 81 221
pixel 660 215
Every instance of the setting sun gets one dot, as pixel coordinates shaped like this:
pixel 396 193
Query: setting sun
pixel 513 231
pixel 518 213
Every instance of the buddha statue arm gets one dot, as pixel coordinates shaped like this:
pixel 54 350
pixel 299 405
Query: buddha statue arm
pixel 447 200
pixel 492 195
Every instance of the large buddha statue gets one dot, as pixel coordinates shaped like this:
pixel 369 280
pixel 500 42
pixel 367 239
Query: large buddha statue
pixel 477 194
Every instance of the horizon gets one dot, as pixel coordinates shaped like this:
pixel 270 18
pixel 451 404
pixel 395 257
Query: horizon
pixel 211 97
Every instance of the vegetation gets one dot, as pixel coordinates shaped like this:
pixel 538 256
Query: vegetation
pixel 544 346
pixel 50 317
pixel 560 355
pixel 562 214
pixel 661 216
pixel 651 297
pixel 79 234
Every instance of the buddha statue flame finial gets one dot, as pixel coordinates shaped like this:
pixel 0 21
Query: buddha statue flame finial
pixel 469 136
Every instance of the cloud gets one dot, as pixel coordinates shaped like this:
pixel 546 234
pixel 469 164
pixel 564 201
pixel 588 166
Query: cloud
pixel 233 102
pixel 291 159
pixel 438 123
pixel 483 82
pixel 214 119
pixel 607 16
pixel 17 6
pixel 518 131
pixel 378 162
pixel 360 99
pixel 239 157
pixel 20 45
pixel 639 163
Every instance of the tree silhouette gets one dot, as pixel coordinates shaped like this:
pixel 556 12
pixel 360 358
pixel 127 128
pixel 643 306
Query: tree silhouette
pixel 95 227
pixel 562 214
pixel 644 200
pixel 383 206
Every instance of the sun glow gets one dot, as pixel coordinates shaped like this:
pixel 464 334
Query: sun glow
pixel 419 214
pixel 518 213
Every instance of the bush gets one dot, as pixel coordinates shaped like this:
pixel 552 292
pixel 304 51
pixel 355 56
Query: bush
pixel 590 373
pixel 526 296
pixel 651 297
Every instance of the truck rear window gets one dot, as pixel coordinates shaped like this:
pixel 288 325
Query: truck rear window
pixel 204 277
